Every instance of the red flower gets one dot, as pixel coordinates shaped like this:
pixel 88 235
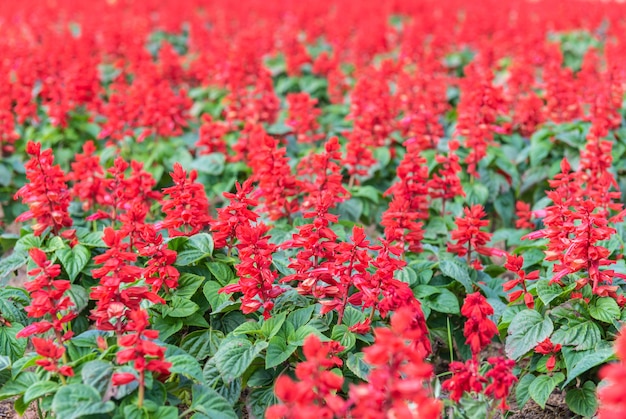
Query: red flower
pixel 302 117
pixel 187 209
pixel 398 383
pixel 612 399
pixel 465 378
pixel 502 380
pixel 316 390
pixel 233 215
pixel 548 348
pixel 46 194
pixel 470 237
pixel 514 264
pixel 121 378
pixel 256 279
pixel 478 329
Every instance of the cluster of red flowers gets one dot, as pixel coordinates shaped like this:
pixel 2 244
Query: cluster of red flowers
pixel 49 303
pixel 397 384
pixel 479 330
pixel 612 398
pixel 46 194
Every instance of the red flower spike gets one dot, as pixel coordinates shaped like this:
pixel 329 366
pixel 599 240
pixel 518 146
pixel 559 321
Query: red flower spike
pixel 46 194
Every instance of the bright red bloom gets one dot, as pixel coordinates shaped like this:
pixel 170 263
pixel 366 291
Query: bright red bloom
pixel 478 329
pixel 256 279
pixel 548 348
pixel 316 391
pixel 470 237
pixel 398 383
pixel 302 117
pixel 233 215
pixel 514 264
pixel 465 378
pixel 46 194
pixel 187 209
pixel 524 215
pixel 612 399
pixel 502 380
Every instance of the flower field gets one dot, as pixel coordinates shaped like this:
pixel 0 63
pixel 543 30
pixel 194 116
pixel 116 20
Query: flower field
pixel 291 210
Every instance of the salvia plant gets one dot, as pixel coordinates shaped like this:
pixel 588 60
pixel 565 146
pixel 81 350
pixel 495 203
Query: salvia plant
pixel 293 210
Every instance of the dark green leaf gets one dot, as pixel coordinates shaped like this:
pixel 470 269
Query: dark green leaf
pixel 235 356
pixel 202 344
pixel 521 390
pixel 456 270
pixel 278 352
pixel 74 259
pixel 527 329
pixel 39 389
pixel 74 401
pixel 604 309
pixel 582 401
pixel 209 404
pixel 542 386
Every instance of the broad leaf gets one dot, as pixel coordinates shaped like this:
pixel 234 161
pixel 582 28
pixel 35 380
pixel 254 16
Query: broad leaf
pixel 526 331
pixel 235 356
pixel 605 309
pixel 74 259
pixel 583 401
pixel 74 401
pixel 209 404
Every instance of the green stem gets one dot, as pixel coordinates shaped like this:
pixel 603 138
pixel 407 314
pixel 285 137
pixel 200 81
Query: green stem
pixel 450 347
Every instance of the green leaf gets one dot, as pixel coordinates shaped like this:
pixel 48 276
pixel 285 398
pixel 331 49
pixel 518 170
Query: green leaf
pixel 74 259
pixel 301 316
pixel 542 386
pixel 97 374
pixel 212 164
pixel 79 297
pixel 358 366
pixel 526 331
pixel 444 302
pixel 202 344
pixel 231 391
pixel 278 351
pixel 456 270
pixel 473 408
pixel 18 385
pixel 166 326
pixel 344 336
pixel 521 390
pixel 582 401
pixel 186 365
pixel 9 344
pixel 188 284
pixel 217 301
pixel 74 401
pixel 221 272
pixel 578 362
pixel 605 309
pixel 476 193
pixel 271 326
pixel 547 293
pixel 197 248
pixel 352 316
pixel 5 362
pixel 181 307
pixel 209 404
pixel 39 389
pixel 298 337
pixel 12 263
pixel 235 356
pixel 581 333
pixel 260 399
